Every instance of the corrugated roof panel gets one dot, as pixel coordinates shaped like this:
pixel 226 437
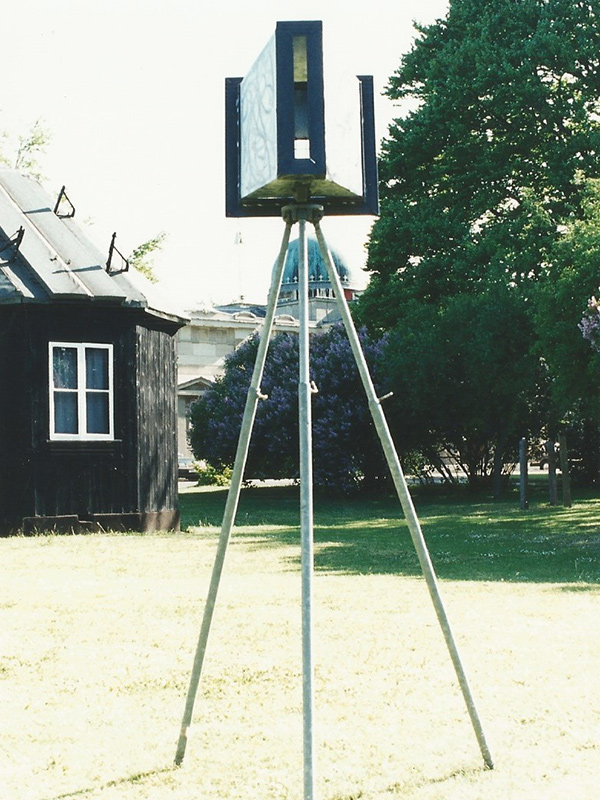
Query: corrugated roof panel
pixel 56 260
pixel 50 270
pixel 124 287
pixel 83 267
pixel 8 291
pixel 19 281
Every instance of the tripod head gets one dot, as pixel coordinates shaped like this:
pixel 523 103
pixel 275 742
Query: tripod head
pixel 290 136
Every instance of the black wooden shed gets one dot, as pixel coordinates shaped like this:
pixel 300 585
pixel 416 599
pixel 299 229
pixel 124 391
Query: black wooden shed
pixel 87 379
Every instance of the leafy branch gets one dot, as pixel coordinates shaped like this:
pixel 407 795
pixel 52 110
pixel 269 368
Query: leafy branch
pixel 142 256
pixel 30 147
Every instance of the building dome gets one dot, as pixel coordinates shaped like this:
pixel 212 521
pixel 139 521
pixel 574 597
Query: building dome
pixel 321 295
pixel 317 271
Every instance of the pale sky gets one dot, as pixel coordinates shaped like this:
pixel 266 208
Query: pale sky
pixel 132 93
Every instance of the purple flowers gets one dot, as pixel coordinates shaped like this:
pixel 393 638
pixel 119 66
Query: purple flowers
pixel 346 451
pixel 590 324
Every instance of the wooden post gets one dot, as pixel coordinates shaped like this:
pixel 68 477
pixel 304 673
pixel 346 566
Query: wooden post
pixel 523 473
pixel 550 452
pixel 564 468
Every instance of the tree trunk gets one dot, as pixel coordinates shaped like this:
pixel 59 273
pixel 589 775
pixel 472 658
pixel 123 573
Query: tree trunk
pixel 591 453
pixel 497 471
pixel 523 466
pixel 564 468
pixel 550 452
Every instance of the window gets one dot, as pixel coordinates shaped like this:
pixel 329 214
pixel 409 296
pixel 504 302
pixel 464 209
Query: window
pixel 81 391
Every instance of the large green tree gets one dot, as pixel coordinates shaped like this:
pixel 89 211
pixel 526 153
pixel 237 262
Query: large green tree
pixel 477 177
pixel 481 175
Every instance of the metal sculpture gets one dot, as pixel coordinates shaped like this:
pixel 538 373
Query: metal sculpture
pixel 277 163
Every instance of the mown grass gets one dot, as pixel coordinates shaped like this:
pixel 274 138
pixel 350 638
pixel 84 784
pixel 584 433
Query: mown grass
pixel 98 634
pixel 470 537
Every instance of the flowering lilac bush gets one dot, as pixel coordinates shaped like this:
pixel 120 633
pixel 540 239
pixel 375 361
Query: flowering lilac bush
pixel 346 450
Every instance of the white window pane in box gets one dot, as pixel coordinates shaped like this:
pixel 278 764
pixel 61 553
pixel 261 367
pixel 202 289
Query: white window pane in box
pixel 64 367
pixel 65 412
pixel 96 368
pixel 97 407
pixel 81 391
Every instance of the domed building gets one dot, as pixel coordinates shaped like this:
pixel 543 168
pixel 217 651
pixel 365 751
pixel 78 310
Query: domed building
pixel 322 307
pixel 213 332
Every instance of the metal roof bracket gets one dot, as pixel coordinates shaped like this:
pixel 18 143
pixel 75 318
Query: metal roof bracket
pixel 62 196
pixel 14 242
pixel 111 251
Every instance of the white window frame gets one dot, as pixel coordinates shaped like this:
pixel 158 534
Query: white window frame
pixel 81 391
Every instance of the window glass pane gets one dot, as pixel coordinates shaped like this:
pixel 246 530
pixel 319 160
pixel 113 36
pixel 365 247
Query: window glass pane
pixel 65 412
pixel 64 367
pixel 97 412
pixel 96 368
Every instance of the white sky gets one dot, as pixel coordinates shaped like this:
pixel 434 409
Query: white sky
pixel 132 92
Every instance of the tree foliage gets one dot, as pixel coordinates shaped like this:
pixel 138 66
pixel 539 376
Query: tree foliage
pixel 24 154
pixel 463 375
pixel 573 276
pixel 574 367
pixel 31 146
pixel 345 448
pixel 141 258
pixel 480 179
pixel 477 177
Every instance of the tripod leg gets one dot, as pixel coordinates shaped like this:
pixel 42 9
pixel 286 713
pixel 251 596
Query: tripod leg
pixel 306 509
pixel 404 495
pixel 233 495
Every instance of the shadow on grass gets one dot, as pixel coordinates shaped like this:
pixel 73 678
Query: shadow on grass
pixel 138 777
pixel 399 789
pixel 470 537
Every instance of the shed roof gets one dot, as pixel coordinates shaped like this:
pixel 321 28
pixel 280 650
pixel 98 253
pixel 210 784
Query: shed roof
pixel 55 260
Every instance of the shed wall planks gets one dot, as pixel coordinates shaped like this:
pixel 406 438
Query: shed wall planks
pixel 157 419
pixel 136 473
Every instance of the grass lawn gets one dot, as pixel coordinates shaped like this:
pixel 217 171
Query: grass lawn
pixel 97 635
